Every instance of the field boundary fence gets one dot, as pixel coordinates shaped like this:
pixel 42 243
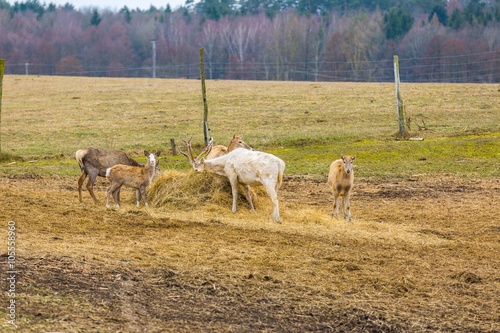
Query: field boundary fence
pixel 482 67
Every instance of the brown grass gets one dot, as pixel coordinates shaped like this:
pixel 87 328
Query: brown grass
pixel 58 115
pixel 420 256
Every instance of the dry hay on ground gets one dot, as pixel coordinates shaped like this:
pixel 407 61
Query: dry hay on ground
pixel 188 190
pixel 420 256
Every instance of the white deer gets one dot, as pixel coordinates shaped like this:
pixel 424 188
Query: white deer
pixel 341 180
pixel 243 166
pixel 132 176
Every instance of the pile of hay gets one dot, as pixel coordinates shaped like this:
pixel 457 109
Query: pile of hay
pixel 191 189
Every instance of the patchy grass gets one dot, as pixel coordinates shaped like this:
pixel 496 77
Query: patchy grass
pixel 6 158
pixel 420 255
pixel 306 124
pixel 416 252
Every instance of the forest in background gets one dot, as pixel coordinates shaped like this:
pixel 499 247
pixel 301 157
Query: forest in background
pixel 301 40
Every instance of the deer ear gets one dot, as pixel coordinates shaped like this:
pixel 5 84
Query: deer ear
pixel 353 157
pixel 342 157
pixel 158 153
pixel 146 153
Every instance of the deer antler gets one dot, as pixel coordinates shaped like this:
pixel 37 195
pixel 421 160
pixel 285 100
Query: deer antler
pixel 208 148
pixel 190 157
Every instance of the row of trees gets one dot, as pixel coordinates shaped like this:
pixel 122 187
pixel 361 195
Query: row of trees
pixel 300 40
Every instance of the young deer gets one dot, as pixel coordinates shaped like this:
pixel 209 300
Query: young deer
pixel 94 162
pixel 132 176
pixel 246 167
pixel 341 179
pixel 219 150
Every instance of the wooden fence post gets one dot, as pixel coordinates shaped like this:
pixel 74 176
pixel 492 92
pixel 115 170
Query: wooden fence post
pixel 2 68
pixel 172 144
pixel 399 101
pixel 206 130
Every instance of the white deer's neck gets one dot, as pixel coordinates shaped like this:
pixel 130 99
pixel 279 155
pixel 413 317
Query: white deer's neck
pixel 216 165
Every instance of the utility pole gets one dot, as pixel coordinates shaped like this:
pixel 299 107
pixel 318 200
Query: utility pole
pixel 153 43
pixel 206 130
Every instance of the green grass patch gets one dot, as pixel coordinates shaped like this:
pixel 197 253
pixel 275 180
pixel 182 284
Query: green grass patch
pixel 307 124
pixel 6 157
pixel 477 156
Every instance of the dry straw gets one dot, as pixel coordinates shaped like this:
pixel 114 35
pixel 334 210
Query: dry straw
pixel 187 190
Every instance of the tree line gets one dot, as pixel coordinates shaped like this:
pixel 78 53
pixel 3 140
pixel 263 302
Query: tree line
pixel 317 40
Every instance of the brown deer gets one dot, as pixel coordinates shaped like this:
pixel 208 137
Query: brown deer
pixel 219 150
pixel 132 176
pixel 341 180
pixel 243 166
pixel 93 162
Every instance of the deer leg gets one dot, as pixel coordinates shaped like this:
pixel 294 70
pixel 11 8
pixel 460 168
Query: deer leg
pixel 335 211
pixel 271 192
pixel 107 196
pixel 116 195
pixel 80 184
pixel 112 190
pixel 144 196
pixel 343 207
pixel 348 205
pixel 90 186
pixel 248 195
pixel 138 197
pixel 234 190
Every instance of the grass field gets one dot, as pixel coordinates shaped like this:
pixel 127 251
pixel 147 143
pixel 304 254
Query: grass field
pixel 420 256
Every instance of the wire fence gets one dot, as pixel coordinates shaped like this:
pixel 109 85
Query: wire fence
pixel 481 67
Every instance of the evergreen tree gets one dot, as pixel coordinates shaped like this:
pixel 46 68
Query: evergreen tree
pixel 456 20
pixel 4 4
pixel 397 22
pixel 476 13
pixel 440 11
pixel 215 9
pixel 126 14
pixel 95 19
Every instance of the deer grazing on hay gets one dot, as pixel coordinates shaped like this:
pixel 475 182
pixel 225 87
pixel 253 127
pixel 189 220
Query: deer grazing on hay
pixel 243 166
pixel 219 150
pixel 341 179
pixel 93 162
pixel 132 176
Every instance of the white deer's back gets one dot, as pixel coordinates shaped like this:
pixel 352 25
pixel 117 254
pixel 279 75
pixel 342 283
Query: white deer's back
pixel 254 166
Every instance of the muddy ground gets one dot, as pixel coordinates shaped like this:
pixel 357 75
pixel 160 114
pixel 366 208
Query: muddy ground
pixel 420 256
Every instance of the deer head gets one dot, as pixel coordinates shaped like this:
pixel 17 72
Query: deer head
pixel 197 162
pixel 347 162
pixel 237 142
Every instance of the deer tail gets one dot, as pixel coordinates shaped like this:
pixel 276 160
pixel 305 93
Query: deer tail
pixel 80 154
pixel 280 178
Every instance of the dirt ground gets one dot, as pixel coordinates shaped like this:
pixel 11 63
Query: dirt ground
pixel 421 255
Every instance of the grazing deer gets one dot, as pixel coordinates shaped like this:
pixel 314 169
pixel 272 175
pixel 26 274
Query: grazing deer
pixel 341 179
pixel 132 176
pixel 94 162
pixel 243 166
pixel 219 150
